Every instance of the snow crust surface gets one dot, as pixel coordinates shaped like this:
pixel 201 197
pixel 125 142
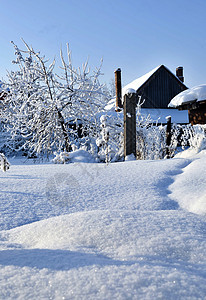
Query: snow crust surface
pixel 131 230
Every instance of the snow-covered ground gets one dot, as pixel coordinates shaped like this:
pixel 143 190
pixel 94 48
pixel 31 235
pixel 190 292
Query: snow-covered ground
pixel 130 230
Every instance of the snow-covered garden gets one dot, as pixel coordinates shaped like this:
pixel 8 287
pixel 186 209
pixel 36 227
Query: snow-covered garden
pixel 48 114
pixel 76 220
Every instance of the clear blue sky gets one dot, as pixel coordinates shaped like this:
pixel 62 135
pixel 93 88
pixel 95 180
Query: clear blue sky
pixel 136 35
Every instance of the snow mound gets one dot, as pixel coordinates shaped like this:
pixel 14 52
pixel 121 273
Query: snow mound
pixel 130 157
pixel 121 231
pixel 129 91
pixel 77 156
pixel 189 188
pixel 111 105
pixel 197 93
pixel 106 255
pixel 166 237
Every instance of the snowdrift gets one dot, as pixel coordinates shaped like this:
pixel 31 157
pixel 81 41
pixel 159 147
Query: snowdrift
pixel 89 231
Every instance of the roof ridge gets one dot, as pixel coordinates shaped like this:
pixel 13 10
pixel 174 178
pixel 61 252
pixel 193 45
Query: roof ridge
pixel 137 83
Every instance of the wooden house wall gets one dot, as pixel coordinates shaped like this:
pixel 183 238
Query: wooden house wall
pixel 160 89
pixel 198 115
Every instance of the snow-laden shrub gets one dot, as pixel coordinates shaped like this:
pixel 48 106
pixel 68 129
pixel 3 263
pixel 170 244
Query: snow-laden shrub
pixel 76 156
pixel 4 164
pixel 151 142
pixel 189 136
pixel 198 137
pixel 110 140
pixel 106 146
pixel 103 141
pixel 150 138
pixel 61 158
pixel 181 135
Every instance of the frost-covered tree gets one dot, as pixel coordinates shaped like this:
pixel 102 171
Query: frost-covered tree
pixel 43 107
pixel 110 139
pixel 103 141
pixel 109 89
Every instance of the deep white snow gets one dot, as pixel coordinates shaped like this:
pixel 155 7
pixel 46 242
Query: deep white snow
pixel 130 230
pixel 197 93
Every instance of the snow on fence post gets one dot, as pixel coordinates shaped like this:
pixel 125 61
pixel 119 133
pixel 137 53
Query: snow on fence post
pixel 130 103
pixel 168 136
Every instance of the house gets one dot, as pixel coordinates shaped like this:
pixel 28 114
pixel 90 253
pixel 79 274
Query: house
pixel 193 100
pixel 157 88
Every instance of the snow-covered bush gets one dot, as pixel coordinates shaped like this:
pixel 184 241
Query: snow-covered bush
pixel 61 158
pixel 190 136
pixel 151 142
pixel 78 155
pixel 102 142
pixel 187 137
pixel 107 147
pixel 110 140
pixel 151 139
pixel 198 137
pixel 4 164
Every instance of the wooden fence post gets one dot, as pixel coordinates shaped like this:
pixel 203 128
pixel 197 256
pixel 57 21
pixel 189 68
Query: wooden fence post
pixel 130 123
pixel 118 88
pixel 168 136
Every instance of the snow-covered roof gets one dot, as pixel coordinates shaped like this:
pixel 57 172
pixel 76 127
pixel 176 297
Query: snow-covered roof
pixel 195 94
pixel 137 83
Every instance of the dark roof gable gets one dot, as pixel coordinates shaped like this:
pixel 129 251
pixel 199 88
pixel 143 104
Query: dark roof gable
pixel 155 73
pixel 157 87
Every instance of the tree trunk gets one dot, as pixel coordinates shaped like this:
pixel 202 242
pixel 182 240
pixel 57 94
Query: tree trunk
pixel 64 130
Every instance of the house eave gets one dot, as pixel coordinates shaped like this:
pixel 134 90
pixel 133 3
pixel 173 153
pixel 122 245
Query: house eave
pixel 192 105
